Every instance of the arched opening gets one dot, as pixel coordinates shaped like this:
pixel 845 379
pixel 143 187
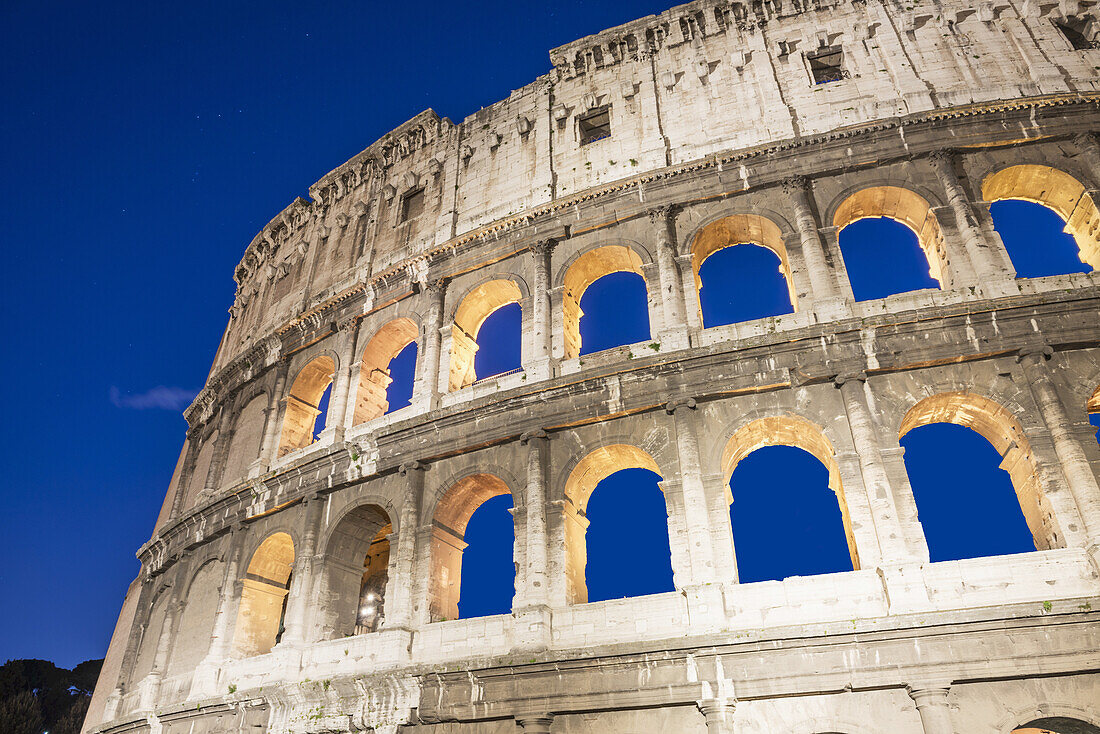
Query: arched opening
pixel 262 612
pixel 741 271
pixel 386 371
pixel 478 305
pixel 487 560
pixel 197 481
pixel 500 344
pixel 449 525
pixel 783 469
pixel 1035 238
pixel 1057 725
pixel 1058 192
pixel 191 638
pixel 948 499
pixel 619 306
pixel 891 243
pixel 631 534
pixel 356 573
pixel 150 637
pixel 244 447
pixel 306 405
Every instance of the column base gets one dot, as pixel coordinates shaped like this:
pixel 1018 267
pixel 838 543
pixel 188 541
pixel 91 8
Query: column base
pixel 706 607
pixel 672 341
pixel 331 435
pixel 204 681
pixel 831 309
pixel 533 629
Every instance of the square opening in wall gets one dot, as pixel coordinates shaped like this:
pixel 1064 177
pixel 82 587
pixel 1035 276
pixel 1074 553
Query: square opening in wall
pixel 826 65
pixel 412 204
pixel 1077 32
pixel 595 125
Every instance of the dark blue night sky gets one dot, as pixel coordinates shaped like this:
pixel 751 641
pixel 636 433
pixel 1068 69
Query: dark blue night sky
pixel 144 145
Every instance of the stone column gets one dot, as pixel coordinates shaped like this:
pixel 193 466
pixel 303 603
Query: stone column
pixel 674 332
pixel 535 724
pixel 542 328
pixel 193 448
pixel 977 249
pixel 880 495
pixel 537 590
pixel 399 606
pixel 828 302
pixel 150 686
pixel 696 518
pixel 221 635
pixel 435 291
pixel 719 715
pixel 931 701
pixel 226 429
pixel 1075 465
pixel 341 382
pixel 300 603
pixel 272 413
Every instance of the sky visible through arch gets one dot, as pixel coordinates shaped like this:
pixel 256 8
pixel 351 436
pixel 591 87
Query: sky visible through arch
pixel 146 145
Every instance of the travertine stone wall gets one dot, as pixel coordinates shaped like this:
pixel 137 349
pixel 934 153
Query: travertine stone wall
pixel 246 610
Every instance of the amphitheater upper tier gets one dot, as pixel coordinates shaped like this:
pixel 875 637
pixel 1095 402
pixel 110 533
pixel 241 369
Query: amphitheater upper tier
pixel 309 582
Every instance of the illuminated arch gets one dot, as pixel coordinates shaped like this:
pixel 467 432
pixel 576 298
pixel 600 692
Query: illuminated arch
pixel 302 404
pixel 802 434
pixel 471 313
pixel 263 596
pixel 1057 191
pixel 374 371
pixel 589 472
pixel 356 572
pixel 906 207
pixel 1093 405
pixel 583 272
pixel 1001 429
pixel 452 515
pixel 740 229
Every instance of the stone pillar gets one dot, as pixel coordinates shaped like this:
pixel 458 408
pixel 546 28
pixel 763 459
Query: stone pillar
pixel 1075 465
pixel 341 383
pixel 300 604
pixel 150 686
pixel 226 429
pixel 830 239
pixel 880 496
pixel 900 572
pixel 537 589
pixel 828 302
pixel 542 329
pixel 719 715
pixel 696 518
pixel 931 701
pixel 977 249
pixel 435 291
pixel 675 328
pixel 535 723
pixel 193 448
pixel 399 606
pixel 275 406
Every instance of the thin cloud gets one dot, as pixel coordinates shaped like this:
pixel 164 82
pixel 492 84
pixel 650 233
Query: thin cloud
pixel 159 398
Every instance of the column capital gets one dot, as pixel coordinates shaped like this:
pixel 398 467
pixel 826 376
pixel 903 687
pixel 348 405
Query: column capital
pixel 1086 139
pixel 662 214
pixel 411 466
pixel 929 692
pixel 433 286
pixel 942 157
pixel 1034 353
pixel 527 436
pixel 718 714
pixel 544 247
pixel 795 185
pixel 846 377
pixel 348 326
pixel 674 404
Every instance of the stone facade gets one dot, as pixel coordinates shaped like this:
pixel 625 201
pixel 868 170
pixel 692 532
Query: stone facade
pixel 776 123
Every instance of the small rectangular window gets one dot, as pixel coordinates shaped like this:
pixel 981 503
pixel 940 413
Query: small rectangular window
pixel 412 205
pixel 595 125
pixel 1076 32
pixel 826 65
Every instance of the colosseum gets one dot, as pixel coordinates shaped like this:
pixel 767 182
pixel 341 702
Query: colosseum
pixel 305 571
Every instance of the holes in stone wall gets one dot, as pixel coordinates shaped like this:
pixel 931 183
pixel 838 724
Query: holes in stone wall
pixel 307 405
pixel 412 205
pixel 826 65
pixel 476 308
pixel 262 612
pixel 499 342
pixel 740 283
pixel 356 573
pixel 488 568
pixel 387 371
pixel 1080 32
pixel 594 125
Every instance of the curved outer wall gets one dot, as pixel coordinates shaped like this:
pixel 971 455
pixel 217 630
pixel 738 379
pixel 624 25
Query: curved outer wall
pixel 715 118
